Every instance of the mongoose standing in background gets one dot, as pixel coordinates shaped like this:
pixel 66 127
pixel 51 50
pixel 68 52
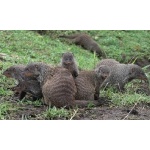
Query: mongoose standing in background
pixel 120 74
pixel 88 83
pixel 107 62
pixel 58 86
pixel 86 42
pixel 25 85
pixel 68 61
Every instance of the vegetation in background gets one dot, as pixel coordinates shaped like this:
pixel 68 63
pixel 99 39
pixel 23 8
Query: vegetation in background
pixel 22 47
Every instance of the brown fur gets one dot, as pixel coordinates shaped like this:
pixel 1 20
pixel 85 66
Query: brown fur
pixel 68 61
pixel 58 86
pixel 86 42
pixel 60 90
pixel 25 85
pixel 88 84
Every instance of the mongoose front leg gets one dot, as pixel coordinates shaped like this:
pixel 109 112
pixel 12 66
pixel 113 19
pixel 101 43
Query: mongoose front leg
pixel 105 83
pixel 22 95
pixel 75 74
pixel 120 87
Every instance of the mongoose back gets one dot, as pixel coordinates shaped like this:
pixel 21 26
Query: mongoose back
pixel 25 85
pixel 88 83
pixel 86 42
pixel 58 86
pixel 120 74
pixel 68 61
pixel 107 62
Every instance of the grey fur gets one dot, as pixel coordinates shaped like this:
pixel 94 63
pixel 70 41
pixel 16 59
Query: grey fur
pixel 107 62
pixel 120 74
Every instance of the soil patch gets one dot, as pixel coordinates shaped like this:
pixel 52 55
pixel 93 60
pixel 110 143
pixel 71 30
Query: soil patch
pixel 140 112
pixel 26 112
pixel 30 112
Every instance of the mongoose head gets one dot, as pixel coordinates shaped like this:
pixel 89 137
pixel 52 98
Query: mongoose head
pixel 67 59
pixel 33 70
pixel 102 71
pixel 14 71
pixel 136 72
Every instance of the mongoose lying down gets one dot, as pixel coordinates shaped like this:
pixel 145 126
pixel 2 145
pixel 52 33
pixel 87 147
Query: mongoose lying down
pixel 58 86
pixel 68 61
pixel 86 42
pixel 120 74
pixel 88 83
pixel 25 85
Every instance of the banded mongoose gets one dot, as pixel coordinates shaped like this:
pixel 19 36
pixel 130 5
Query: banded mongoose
pixel 68 61
pixel 25 85
pixel 88 83
pixel 58 86
pixel 86 42
pixel 107 62
pixel 120 74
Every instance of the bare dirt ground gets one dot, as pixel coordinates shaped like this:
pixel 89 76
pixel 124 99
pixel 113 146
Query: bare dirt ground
pixel 115 113
pixel 31 112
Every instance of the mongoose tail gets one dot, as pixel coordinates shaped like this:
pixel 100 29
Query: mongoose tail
pixel 68 36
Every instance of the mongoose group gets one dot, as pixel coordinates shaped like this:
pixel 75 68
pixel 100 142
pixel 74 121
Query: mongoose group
pixel 60 86
pixel 64 85
pixel 25 84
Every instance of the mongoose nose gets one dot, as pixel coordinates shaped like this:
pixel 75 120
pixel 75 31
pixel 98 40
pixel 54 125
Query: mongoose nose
pixel 6 74
pixel 67 62
pixel 25 74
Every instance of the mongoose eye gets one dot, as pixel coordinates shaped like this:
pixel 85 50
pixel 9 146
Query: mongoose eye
pixel 27 69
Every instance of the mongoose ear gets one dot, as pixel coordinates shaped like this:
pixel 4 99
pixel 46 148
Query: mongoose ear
pixel 132 70
pixel 36 66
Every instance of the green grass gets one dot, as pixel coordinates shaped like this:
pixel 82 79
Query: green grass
pixel 22 47
pixel 125 99
pixel 5 109
pixel 36 103
pixel 55 113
